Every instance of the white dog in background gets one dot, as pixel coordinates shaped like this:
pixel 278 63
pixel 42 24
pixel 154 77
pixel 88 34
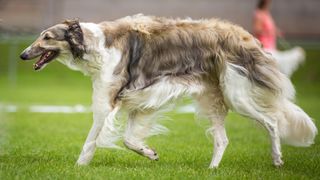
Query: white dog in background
pixel 288 61
pixel 141 63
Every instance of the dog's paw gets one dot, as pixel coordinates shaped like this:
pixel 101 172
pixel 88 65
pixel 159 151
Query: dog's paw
pixel 278 163
pixel 82 162
pixel 151 154
pixel 213 167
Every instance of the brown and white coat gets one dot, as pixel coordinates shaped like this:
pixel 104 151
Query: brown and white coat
pixel 141 63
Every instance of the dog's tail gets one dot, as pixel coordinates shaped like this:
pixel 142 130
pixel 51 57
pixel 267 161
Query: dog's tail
pixel 253 86
pixel 295 127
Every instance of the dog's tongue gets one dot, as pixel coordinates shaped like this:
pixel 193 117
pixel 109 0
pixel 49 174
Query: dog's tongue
pixel 42 61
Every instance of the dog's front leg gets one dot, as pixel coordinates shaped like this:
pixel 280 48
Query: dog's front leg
pixel 101 108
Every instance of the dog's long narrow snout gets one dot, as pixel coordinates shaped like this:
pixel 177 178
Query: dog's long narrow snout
pixel 24 56
pixel 31 52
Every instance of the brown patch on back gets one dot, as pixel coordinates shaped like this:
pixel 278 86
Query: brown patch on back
pixel 159 47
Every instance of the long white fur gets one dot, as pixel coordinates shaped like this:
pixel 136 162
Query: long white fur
pixel 211 105
pixel 104 115
pixel 155 96
pixel 240 94
pixel 291 123
pixel 296 127
pixel 238 91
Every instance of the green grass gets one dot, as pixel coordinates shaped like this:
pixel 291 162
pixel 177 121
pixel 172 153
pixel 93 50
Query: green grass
pixel 46 146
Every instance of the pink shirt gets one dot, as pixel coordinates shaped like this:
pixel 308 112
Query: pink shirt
pixel 267 36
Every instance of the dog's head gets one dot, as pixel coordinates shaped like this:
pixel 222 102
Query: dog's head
pixel 62 39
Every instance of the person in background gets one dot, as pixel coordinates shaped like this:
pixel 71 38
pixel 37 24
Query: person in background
pixel 267 32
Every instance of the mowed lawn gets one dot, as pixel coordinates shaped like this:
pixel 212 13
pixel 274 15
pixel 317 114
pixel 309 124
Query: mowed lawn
pixel 46 145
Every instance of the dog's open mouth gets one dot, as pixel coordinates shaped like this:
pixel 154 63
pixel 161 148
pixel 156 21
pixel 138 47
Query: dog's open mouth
pixel 45 58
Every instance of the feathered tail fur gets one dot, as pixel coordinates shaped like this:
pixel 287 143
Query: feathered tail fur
pixel 296 127
pixel 255 88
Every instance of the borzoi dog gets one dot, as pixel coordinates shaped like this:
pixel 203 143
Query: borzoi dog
pixel 141 63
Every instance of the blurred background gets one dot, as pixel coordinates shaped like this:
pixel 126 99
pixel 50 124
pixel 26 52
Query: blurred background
pixel 296 18
pixel 38 145
pixel 22 20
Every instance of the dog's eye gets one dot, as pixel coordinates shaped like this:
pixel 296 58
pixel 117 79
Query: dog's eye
pixel 47 37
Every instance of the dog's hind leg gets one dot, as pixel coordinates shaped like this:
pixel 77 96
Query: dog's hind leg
pixel 271 125
pixel 212 106
pixel 268 121
pixel 255 102
pixel 138 128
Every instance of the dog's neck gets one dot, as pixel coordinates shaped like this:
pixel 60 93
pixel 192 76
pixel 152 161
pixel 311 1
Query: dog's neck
pixel 97 59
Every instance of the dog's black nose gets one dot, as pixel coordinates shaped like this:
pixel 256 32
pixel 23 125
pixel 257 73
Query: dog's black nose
pixel 24 56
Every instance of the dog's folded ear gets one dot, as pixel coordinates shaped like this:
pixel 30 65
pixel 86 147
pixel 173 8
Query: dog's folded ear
pixel 74 36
